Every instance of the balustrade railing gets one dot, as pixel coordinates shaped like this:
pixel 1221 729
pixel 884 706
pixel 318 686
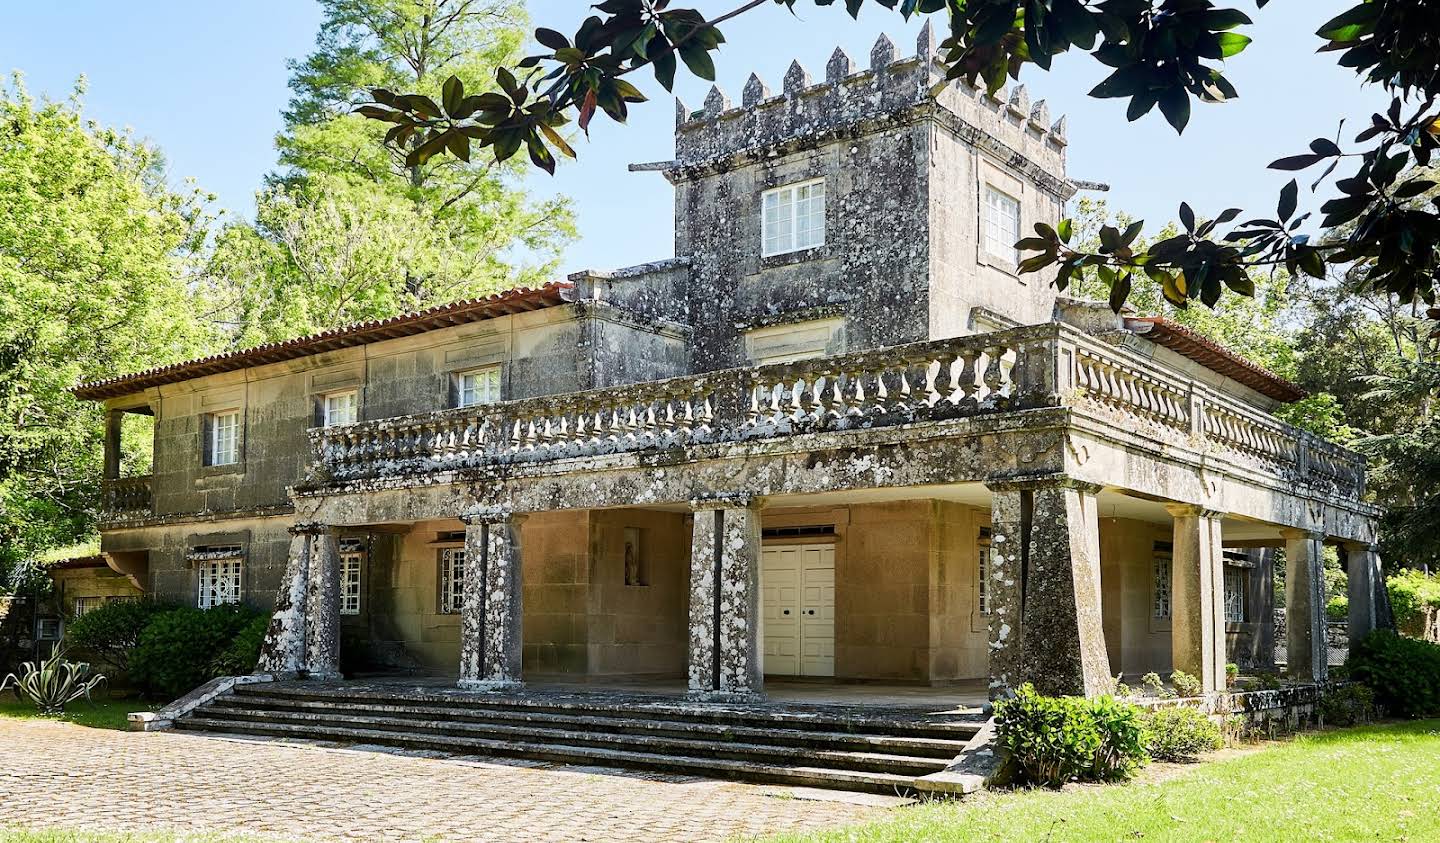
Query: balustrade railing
pixel 1021 368
pixel 126 495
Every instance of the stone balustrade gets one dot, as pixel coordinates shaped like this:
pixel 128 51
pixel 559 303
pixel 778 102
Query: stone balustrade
pixel 1036 366
pixel 126 495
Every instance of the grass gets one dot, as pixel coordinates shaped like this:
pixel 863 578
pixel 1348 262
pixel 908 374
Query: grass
pixel 98 714
pixel 1372 783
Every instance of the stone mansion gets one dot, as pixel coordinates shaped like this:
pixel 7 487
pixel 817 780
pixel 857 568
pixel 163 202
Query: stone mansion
pixel 837 437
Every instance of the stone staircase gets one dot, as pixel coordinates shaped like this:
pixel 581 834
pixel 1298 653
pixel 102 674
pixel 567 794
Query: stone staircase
pixel 826 746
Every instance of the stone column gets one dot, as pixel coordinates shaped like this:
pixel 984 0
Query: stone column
pixel 322 607
pixel 1362 579
pixel 1045 623
pixel 1197 596
pixel 724 652
pixel 283 653
pixel 1305 646
pixel 490 617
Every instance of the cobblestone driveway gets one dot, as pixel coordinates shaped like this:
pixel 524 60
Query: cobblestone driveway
pixel 94 780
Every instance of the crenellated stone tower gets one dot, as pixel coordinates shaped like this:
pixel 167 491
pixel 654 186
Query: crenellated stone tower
pixel 907 168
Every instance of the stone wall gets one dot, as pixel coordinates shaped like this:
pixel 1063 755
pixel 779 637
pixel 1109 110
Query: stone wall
pixel 1135 640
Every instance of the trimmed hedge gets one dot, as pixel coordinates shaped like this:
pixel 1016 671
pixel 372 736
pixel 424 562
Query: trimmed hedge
pixel 1403 672
pixel 1054 740
pixel 109 632
pixel 186 647
pixel 1180 733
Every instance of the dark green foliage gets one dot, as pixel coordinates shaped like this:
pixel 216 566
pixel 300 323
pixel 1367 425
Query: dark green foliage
pixel 1180 733
pixel 110 632
pixel 182 648
pixel 1352 705
pixel 1403 672
pixel 1055 740
pixel 244 651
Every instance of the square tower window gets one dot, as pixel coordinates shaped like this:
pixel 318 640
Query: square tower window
pixel 1001 226
pixel 793 217
pixel 478 386
pixel 341 408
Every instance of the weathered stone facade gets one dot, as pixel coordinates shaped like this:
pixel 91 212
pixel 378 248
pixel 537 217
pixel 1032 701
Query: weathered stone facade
pixel 991 484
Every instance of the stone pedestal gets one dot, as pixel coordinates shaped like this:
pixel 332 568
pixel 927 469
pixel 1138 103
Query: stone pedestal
pixel 490 618
pixel 1197 596
pixel 1045 623
pixel 724 650
pixel 283 653
pixel 1305 605
pixel 322 607
pixel 1363 579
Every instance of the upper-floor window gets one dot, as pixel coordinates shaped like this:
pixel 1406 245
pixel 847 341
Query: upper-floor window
pixel 478 386
pixel 793 217
pixel 1001 226
pixel 340 408
pixel 225 437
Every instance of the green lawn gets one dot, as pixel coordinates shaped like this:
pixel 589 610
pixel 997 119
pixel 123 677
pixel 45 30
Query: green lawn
pixel 1374 783
pixel 100 714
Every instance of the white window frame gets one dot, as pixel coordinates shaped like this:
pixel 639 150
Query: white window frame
pixel 1161 591
pixel 783 226
pixel 84 605
pixel 452 579
pixel 982 582
pixel 1235 597
pixel 1000 231
pixel 352 559
pixel 44 627
pixel 221 579
pixel 339 408
pixel 225 430
pixel 477 387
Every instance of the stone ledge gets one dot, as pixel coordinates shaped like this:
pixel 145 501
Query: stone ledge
pixel 164 718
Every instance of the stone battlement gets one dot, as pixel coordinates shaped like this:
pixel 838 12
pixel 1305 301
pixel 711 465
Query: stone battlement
pixel 890 91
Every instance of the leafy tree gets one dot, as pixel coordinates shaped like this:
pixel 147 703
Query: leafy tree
pixel 348 229
pixel 94 251
pixel 1164 53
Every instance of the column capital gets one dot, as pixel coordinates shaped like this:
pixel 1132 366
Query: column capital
pixel 309 528
pixel 1299 534
pixel 491 515
pixel 1181 510
pixel 1005 483
pixel 726 500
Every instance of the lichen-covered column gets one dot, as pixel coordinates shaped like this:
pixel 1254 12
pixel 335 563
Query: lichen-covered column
pixel 322 607
pixel 1045 623
pixel 491 614
pixel 283 653
pixel 724 653
pixel 1362 574
pixel 1197 603
pixel 1305 646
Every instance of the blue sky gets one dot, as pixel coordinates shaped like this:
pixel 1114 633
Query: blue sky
pixel 206 82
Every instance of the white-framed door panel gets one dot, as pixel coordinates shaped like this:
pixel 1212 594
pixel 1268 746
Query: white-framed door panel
pixel 797 598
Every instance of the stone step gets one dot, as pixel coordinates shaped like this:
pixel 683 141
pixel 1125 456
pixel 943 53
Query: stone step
pixel 826 718
pixel 796 774
pixel 639 725
pixel 759 753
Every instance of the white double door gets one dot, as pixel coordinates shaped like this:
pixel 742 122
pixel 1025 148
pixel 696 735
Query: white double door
pixel 797 610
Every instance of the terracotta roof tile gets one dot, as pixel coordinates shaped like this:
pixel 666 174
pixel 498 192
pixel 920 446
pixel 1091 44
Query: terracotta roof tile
pixel 361 333
pixel 1213 356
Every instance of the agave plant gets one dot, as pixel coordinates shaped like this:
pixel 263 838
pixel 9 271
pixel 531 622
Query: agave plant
pixel 53 683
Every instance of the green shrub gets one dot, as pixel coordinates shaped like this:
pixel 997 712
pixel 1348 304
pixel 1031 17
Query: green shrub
pixel 1180 733
pixel 1337 608
pixel 110 632
pixel 1352 705
pixel 1403 672
pixel 1411 593
pixel 244 652
pixel 1232 673
pixel 1154 685
pixel 1054 740
pixel 1186 685
pixel 181 648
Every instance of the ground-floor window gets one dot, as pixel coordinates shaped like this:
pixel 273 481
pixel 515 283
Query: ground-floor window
pixel 1161 592
pixel 220 574
pixel 352 556
pixel 85 605
pixel 982 584
pixel 1235 582
pixel 452 580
